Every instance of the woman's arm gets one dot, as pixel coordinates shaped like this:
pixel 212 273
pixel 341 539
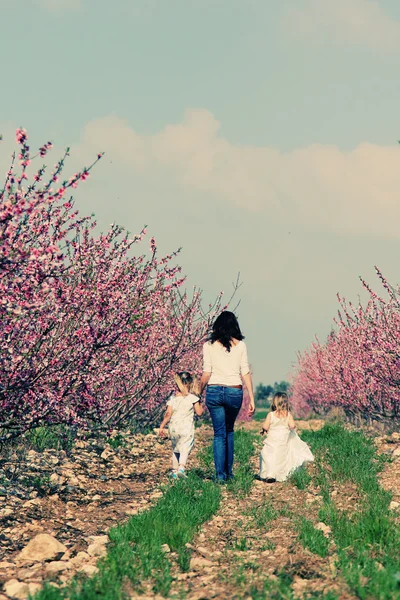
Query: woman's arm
pixel 248 382
pixel 166 419
pixel 198 409
pixel 205 378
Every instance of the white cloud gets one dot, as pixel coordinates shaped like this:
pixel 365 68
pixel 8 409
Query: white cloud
pixel 318 187
pixel 334 203
pixel 352 22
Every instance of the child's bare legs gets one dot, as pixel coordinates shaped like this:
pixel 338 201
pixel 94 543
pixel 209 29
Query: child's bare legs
pixel 175 461
pixel 183 459
pixel 182 463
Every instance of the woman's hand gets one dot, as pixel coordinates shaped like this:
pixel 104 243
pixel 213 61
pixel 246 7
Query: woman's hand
pixel 252 407
pixel 162 433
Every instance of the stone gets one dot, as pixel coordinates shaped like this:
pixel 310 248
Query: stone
pixel 80 559
pixel 81 444
pixel 30 572
pixel 393 505
pixel 326 530
pixel 165 548
pixel 396 451
pixel 299 585
pixel 4 564
pixel 66 556
pixel 42 547
pixel 197 563
pixel 89 570
pixel 204 552
pixel 156 495
pixel 106 454
pixel 57 566
pixel 202 595
pixel 97 549
pixel 34 588
pixel 73 481
pixel 100 539
pixel 16 589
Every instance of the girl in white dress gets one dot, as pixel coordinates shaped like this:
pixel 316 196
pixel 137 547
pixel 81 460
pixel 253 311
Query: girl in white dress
pixel 283 450
pixel 181 408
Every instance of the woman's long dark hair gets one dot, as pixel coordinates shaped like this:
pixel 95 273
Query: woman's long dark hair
pixel 226 328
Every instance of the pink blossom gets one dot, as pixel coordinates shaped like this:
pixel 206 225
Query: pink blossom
pixel 97 333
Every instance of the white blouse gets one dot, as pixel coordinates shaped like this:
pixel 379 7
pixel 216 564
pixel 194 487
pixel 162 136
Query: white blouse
pixel 226 368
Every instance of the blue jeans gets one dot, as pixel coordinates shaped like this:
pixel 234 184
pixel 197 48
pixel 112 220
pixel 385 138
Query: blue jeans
pixel 224 404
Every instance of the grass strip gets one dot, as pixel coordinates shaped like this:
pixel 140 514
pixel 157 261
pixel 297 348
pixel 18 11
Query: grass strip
pixel 367 538
pixel 313 538
pixel 300 478
pixel 263 514
pixel 244 476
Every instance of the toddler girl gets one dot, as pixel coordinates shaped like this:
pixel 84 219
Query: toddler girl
pixel 283 450
pixel 181 408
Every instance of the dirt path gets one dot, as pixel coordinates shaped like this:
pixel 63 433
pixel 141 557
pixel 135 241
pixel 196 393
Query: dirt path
pixel 78 497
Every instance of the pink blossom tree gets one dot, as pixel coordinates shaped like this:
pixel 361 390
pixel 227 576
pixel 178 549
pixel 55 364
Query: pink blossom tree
pixel 89 332
pixel 358 367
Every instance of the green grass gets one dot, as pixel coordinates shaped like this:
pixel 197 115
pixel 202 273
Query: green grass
pixel 57 437
pixel 244 476
pixel 273 590
pixel 117 441
pixel 242 544
pixel 312 538
pixel 366 535
pixel 261 414
pixel 262 515
pixel 300 478
pixel 135 555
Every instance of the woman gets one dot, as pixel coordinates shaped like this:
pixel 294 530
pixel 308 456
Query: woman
pixel 225 365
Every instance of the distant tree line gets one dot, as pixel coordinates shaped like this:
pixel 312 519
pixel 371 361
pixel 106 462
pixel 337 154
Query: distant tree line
pixel 263 393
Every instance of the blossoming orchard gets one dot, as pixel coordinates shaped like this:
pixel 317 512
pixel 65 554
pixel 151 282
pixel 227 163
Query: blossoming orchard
pixel 358 368
pixel 89 332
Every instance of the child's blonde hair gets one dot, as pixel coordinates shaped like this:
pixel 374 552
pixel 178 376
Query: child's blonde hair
pixel 187 383
pixel 280 402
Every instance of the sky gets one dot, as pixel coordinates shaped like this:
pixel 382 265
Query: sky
pixel 259 136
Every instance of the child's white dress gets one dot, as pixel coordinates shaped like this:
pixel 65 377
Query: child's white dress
pixel 283 451
pixel 181 425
